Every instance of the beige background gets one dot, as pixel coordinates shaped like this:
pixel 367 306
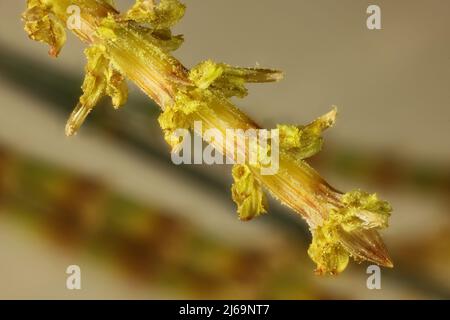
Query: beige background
pixel 391 87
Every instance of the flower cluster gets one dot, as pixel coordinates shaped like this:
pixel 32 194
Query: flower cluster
pixel 138 45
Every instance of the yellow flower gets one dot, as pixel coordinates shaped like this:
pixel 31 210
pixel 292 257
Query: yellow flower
pixel 137 45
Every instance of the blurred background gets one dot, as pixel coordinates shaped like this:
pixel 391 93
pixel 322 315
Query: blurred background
pixel 111 201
